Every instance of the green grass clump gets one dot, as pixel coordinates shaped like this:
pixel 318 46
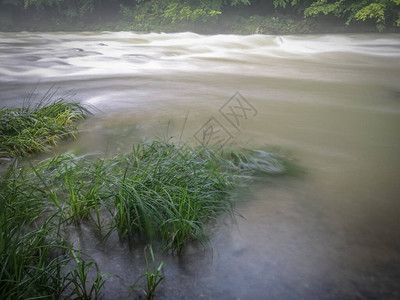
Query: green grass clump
pixel 263 163
pixel 72 186
pixel 160 192
pixel 25 270
pixel 153 274
pixel 36 261
pixel 38 128
pixel 169 191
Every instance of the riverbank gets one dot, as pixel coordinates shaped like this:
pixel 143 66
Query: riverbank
pixel 276 24
pixel 170 17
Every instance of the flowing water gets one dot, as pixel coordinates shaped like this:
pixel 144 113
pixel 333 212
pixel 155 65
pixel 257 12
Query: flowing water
pixel 331 101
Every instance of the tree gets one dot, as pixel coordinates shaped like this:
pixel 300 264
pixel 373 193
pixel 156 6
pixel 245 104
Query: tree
pixel 69 8
pixel 383 12
pixel 178 10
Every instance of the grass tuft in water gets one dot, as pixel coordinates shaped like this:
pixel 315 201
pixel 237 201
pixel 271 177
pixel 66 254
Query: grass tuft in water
pixel 161 191
pixel 26 267
pixel 33 253
pixel 83 288
pixel 170 192
pixel 153 274
pixel 37 128
pixel 263 163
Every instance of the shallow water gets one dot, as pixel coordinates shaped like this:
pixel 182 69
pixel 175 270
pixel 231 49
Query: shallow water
pixel 331 101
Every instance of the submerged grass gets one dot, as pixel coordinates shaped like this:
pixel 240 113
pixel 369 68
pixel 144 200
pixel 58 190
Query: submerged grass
pixel 161 191
pixel 154 275
pixel 168 191
pixel 36 128
pixel 33 254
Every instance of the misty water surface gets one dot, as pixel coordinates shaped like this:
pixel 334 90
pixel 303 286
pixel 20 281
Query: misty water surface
pixel 331 102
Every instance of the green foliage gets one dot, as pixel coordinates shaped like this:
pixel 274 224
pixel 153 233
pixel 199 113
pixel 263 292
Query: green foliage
pixel 82 287
pixel 159 191
pixel 381 11
pixel 75 188
pixel 300 5
pixel 281 3
pixel 325 7
pixel 372 11
pixel 170 192
pixel 171 11
pixel 198 16
pixel 26 269
pixel 34 256
pixel 67 8
pixel 275 24
pixel 153 275
pixel 38 128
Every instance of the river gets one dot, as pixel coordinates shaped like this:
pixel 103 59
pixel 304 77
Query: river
pixel 331 102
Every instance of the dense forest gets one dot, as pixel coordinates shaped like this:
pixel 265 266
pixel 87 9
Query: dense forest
pixel 240 16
